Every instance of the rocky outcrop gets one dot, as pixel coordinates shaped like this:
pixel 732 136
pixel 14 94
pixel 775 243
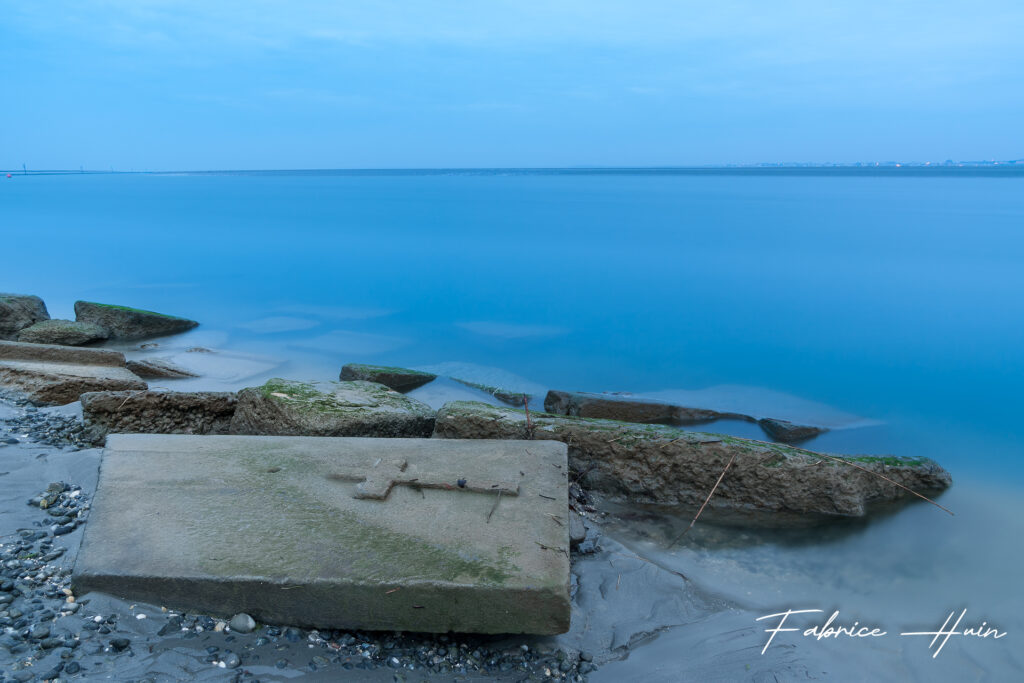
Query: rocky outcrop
pixel 787 432
pixel 157 412
pixel 122 322
pixel 18 311
pixel 287 408
pixel 157 368
pixel 54 375
pixel 64 332
pixel 399 379
pixel 615 407
pixel 655 464
pixel 512 398
pixel 646 411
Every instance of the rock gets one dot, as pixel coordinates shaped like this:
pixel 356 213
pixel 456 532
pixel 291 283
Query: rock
pixel 577 531
pixel 157 368
pixel 615 407
pixel 399 379
pixel 157 412
pixel 787 432
pixel 18 311
pixel 66 332
pixel 284 407
pixel 655 464
pixel 50 374
pixel 242 623
pixel 512 398
pixel 122 322
pixel 335 533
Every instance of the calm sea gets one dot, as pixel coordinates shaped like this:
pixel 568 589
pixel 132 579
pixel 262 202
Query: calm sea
pixel 889 305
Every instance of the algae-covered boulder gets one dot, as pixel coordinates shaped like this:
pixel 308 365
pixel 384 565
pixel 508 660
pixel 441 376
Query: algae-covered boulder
pixel 18 311
pixel 399 379
pixel 655 464
pixel 287 408
pixel 64 332
pixel 512 398
pixel 157 412
pixel 629 409
pixel 122 322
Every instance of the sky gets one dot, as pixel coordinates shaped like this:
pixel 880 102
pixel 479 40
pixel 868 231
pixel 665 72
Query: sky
pixel 200 85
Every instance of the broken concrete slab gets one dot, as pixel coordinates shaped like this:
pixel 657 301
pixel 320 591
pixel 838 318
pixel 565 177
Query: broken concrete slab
pixel 660 465
pixel 157 412
pixel 54 375
pixel 627 409
pixel 18 311
pixel 65 332
pixel 123 322
pixel 276 527
pixel 289 408
pixel 400 379
pixel 159 368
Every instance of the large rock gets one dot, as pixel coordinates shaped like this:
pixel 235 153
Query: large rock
pixel 159 368
pixel 122 322
pixel 289 408
pixel 65 332
pixel 157 412
pixel 655 464
pixel 399 534
pixel 507 396
pixel 624 408
pixel 18 311
pixel 55 375
pixel 399 379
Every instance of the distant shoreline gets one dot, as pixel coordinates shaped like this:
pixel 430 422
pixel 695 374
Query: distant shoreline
pixel 1001 169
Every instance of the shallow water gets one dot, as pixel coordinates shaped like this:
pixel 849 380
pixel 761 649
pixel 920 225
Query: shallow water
pixel 887 307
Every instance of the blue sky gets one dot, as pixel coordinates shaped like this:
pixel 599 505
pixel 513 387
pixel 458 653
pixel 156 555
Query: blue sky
pixel 149 84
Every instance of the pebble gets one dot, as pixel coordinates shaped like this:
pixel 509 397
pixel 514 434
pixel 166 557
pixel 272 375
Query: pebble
pixel 242 623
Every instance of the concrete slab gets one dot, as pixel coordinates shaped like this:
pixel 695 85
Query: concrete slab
pixel 399 534
pixel 53 375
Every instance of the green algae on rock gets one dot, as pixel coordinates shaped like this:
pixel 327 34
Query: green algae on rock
pixel 357 408
pixel 661 465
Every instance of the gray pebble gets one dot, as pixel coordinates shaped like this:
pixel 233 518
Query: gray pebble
pixel 242 623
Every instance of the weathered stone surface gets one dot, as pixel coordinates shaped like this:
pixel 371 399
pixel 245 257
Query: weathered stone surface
pixel 122 322
pixel 65 332
pixel 787 432
pixel 657 464
pixel 289 408
pixel 18 311
pixel 512 398
pixel 274 527
pixel 645 411
pixel 157 368
pixel 399 379
pixel 157 412
pixel 54 375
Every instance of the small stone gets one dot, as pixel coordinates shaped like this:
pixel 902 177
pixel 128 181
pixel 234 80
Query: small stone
pixel 292 635
pixel 242 623
pixel 39 632
pixel 119 644
pixel 231 660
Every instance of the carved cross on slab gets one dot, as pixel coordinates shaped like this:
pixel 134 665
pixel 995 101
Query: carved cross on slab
pixel 377 479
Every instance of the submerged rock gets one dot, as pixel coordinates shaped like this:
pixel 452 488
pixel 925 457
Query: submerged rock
pixel 157 412
pixel 399 379
pixel 654 464
pixel 64 332
pixel 54 375
pixel 122 322
pixel 787 432
pixel 156 368
pixel 288 408
pixel 626 409
pixel 18 311
pixel 512 398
